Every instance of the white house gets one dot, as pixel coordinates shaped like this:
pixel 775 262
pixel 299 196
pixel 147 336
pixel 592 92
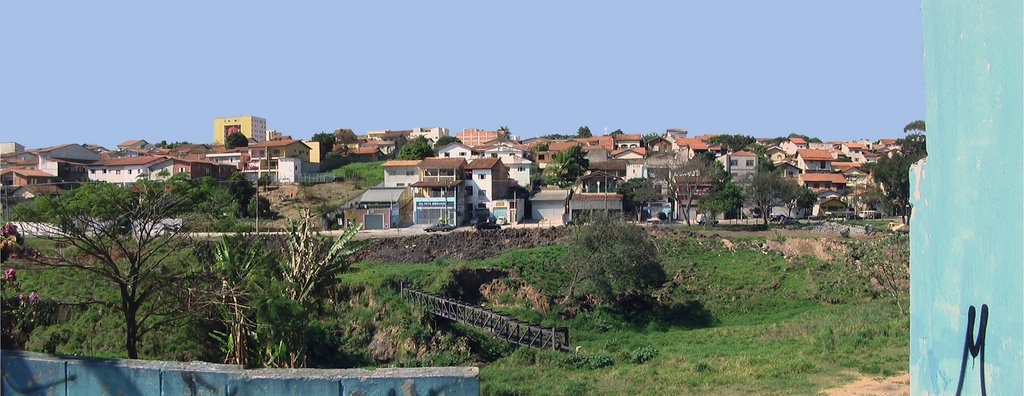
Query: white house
pixel 401 173
pixel 503 150
pixel 814 161
pixel 455 150
pixel 432 134
pixel 793 144
pixel 550 206
pixel 739 164
pixel 128 170
pixel 520 169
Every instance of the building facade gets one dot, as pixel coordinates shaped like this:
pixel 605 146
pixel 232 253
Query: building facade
pixel 251 127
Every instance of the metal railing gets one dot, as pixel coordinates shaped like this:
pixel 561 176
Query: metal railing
pixel 501 325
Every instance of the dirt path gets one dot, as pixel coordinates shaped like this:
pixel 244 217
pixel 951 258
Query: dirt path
pixel 896 385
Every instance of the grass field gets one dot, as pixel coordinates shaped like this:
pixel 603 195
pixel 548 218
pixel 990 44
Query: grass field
pixel 728 321
pixel 368 174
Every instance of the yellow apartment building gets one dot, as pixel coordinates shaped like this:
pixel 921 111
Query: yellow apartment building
pixel 251 126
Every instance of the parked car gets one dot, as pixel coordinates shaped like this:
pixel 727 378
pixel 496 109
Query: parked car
pixel 779 218
pixel 488 225
pixel 439 227
pixel 701 219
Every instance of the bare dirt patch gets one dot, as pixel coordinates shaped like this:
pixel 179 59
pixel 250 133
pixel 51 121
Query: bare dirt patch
pixel 895 385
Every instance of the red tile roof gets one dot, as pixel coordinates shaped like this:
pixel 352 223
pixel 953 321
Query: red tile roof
pixel 627 136
pixel 561 146
pixel 276 143
pixel 435 162
pixel 837 178
pixel 27 172
pixel 402 163
pixel 854 146
pixel 364 150
pixel 692 143
pixel 131 142
pixel 797 140
pixel 814 155
pixel 483 163
pixel 639 150
pixel 743 153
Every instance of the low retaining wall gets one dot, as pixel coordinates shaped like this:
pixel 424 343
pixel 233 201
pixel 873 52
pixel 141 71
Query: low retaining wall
pixel 27 373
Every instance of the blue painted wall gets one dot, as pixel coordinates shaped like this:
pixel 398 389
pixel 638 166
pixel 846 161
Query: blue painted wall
pixel 967 243
pixel 23 373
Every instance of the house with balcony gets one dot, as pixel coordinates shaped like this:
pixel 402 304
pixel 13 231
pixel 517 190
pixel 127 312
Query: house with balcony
pixel 628 140
pixel 283 161
pixel 24 177
pixel 503 149
pixel 489 192
pixel 658 145
pixel 814 161
pixel 521 170
pixel 456 150
pixel 597 191
pixel 819 182
pixel 438 195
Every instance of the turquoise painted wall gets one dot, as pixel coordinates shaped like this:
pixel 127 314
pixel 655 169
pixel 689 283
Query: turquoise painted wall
pixel 967 242
pixel 23 373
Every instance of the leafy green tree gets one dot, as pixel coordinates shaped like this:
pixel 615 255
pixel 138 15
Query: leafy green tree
pixel 733 142
pixel 504 129
pixel 650 136
pixel 616 132
pixel 446 140
pixel 417 149
pixel 891 172
pixel 242 191
pixel 610 258
pixel 799 197
pixel 721 199
pixel 584 132
pixel 686 178
pixel 568 165
pixel 236 139
pixel 917 126
pixel 636 193
pixel 126 238
pixel 887 260
pixel 327 141
pixel 540 147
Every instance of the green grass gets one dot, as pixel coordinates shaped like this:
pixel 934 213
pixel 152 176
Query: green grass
pixel 727 322
pixel 368 173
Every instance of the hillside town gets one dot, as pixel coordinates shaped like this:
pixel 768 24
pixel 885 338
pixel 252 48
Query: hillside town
pixel 431 176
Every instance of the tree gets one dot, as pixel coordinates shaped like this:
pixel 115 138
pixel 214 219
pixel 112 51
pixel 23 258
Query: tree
pixel 891 172
pixel 568 165
pixel 733 142
pixel 887 261
pixel 236 139
pixel 610 258
pixel 242 191
pixel 126 239
pixel 765 191
pixel 327 141
pixel 721 199
pixel 636 193
pixel 540 147
pixel 917 126
pixel 799 197
pixel 504 129
pixel 446 140
pixel 650 136
pixel 417 149
pixel 688 179
pixel 584 132
pixel 616 132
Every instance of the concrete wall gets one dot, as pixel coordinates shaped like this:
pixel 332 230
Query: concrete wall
pixel 26 373
pixel 966 230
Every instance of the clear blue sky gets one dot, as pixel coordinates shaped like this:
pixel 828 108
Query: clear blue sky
pixel 103 72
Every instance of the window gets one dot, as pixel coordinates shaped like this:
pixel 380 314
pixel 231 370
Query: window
pixel 400 184
pixel 481 193
pixel 469 190
pixel 540 157
pixel 733 162
pixel 482 176
pixel 446 155
pixel 521 169
pixel 822 165
pixel 481 205
pixel 93 171
pixel 494 155
pixel 750 162
pixel 181 169
pixel 104 171
pixel 117 172
pixel 462 154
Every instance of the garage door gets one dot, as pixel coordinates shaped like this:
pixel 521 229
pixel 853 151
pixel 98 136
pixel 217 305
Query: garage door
pixel 550 212
pixel 373 222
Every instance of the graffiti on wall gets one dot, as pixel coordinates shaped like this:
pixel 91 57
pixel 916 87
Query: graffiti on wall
pixel 974 346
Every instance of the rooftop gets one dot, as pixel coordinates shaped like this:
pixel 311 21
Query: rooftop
pixel 823 177
pixel 814 155
pixel 435 162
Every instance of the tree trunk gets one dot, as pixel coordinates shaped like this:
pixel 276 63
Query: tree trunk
pixel 131 339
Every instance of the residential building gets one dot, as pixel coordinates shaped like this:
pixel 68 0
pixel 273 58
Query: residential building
pixel 814 161
pixel 369 153
pixel 503 149
pixel 658 145
pixel 629 153
pixel 635 170
pixel 390 142
pixel 10 147
pixel 473 137
pixel 521 170
pixel 823 181
pixel 672 134
pixel 776 154
pixel 24 177
pixel 381 208
pixel 829 206
pixel 134 144
pixel 249 126
pixel 606 142
pixel 741 165
pixel 438 196
pixel 597 191
pixel 432 134
pixel 129 170
pixel 488 190
pixel 550 206
pixel 690 147
pixel 628 140
pixel 613 168
pixel 280 160
pixel 792 145
pixel 789 169
pixel 456 150
pixel 399 173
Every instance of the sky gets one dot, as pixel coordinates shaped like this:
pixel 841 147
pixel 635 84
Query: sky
pixel 105 72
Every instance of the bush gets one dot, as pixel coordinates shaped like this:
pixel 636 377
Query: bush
pixel 643 354
pixel 588 361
